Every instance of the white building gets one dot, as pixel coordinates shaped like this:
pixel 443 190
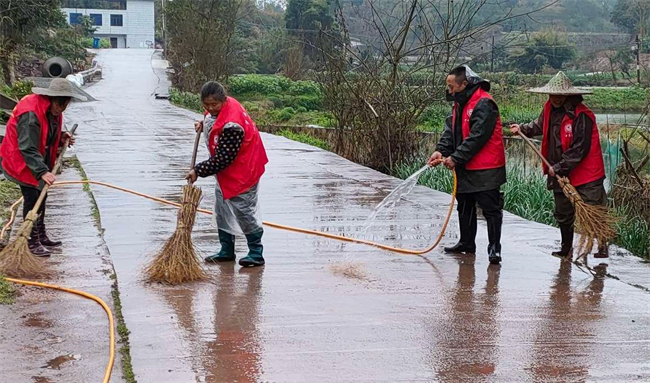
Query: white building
pixel 125 23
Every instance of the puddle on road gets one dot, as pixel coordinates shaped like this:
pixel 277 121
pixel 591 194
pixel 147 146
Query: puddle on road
pixel 56 363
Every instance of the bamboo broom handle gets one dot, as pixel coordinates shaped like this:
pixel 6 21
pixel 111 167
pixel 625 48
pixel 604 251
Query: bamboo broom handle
pixel 57 165
pixel 535 148
pixel 196 149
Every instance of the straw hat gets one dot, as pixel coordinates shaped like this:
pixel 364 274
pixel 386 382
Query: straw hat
pixel 60 87
pixel 559 85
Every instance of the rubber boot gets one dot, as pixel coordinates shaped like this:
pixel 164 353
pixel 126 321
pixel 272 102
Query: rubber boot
pixel 467 243
pixel 42 235
pixel 227 252
pixel 603 252
pixel 35 246
pixel 494 237
pixel 567 243
pixel 255 250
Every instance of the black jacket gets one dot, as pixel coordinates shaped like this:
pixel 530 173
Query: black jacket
pixel 482 124
pixel 563 162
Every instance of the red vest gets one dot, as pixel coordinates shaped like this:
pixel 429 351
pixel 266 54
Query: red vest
pixel 493 154
pixel 592 167
pixel 248 166
pixel 12 160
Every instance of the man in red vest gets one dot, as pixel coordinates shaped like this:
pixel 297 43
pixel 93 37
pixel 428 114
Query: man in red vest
pixel 238 160
pixel 30 147
pixel 571 143
pixel 472 144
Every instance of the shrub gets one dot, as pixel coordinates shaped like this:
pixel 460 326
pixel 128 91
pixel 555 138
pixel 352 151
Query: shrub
pixel 187 100
pixel 19 90
pixel 104 44
pixel 286 114
pixel 304 138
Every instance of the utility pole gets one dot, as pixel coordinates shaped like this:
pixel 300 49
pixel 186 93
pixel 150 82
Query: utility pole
pixel 164 28
pixel 492 60
pixel 638 60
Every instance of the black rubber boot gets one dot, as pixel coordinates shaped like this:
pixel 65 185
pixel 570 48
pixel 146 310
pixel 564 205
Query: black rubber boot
pixel 494 237
pixel 467 223
pixel 460 247
pixel 255 250
pixel 227 252
pixel 35 246
pixel 567 243
pixel 42 235
pixel 494 254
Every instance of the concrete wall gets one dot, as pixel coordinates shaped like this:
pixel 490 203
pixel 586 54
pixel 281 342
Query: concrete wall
pixel 141 25
pixel 138 26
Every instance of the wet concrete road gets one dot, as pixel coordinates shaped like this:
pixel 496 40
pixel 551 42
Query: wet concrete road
pixel 49 336
pixel 446 319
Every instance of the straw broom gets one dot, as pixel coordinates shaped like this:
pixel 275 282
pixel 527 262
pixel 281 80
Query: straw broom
pixel 177 262
pixel 594 222
pixel 16 260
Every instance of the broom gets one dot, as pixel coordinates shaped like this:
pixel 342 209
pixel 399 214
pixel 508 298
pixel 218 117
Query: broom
pixel 176 262
pixel 594 222
pixel 15 259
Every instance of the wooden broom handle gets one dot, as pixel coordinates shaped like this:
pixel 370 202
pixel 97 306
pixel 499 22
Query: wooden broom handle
pixel 57 165
pixel 535 148
pixel 196 148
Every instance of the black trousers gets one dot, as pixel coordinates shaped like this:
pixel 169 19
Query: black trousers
pixel 491 202
pixel 30 196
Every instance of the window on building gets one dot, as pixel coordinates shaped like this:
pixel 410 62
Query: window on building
pixel 96 18
pixel 75 18
pixel 117 21
pixel 94 4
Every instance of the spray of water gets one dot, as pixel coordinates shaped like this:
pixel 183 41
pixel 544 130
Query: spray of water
pixel 355 270
pixel 387 205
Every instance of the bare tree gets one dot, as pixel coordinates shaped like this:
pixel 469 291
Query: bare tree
pixel 201 40
pixel 377 91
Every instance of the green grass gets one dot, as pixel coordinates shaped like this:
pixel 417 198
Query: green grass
pixel 123 332
pixel 304 138
pixel 9 193
pixel 74 162
pixel 623 100
pixel 633 233
pixel 7 292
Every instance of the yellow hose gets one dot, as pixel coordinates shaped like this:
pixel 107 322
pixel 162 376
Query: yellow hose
pixel 111 325
pixel 269 224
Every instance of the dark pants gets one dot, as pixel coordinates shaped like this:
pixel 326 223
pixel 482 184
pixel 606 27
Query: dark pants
pixel 592 193
pixel 491 202
pixel 30 196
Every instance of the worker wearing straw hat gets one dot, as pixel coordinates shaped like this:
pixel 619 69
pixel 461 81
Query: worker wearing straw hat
pixel 571 143
pixel 472 143
pixel 238 161
pixel 29 149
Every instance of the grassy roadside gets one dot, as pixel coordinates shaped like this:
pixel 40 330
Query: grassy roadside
pixel 73 162
pixel 7 292
pixel 9 193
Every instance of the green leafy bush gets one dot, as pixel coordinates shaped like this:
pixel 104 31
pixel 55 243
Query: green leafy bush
pixel 187 100
pixel 286 114
pixel 19 90
pixel 104 44
pixel 304 138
